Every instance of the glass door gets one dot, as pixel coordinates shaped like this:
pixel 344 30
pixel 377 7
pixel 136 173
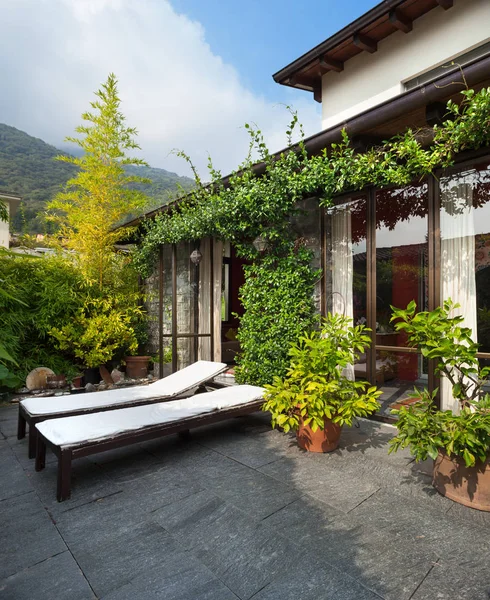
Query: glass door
pixel 401 275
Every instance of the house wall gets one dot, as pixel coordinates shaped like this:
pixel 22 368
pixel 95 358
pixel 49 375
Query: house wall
pixel 436 38
pixel 4 230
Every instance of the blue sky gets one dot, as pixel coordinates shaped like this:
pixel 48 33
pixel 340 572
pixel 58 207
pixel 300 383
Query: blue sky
pixel 190 72
pixel 261 37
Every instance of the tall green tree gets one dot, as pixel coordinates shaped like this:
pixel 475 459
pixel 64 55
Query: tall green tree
pixel 99 196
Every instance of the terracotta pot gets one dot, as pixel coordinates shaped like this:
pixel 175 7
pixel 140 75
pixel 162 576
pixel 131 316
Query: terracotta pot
pixel 77 381
pixel 466 485
pixel 137 366
pixel 321 440
pixel 54 382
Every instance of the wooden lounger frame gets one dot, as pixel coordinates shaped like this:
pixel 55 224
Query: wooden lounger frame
pixel 66 454
pixel 25 418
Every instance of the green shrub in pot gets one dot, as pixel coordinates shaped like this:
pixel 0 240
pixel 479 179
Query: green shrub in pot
pixel 424 428
pixel 317 385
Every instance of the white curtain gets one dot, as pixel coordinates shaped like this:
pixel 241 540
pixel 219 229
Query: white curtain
pixel 458 262
pixel 342 267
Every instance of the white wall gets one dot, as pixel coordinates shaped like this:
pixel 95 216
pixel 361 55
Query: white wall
pixel 436 38
pixel 4 229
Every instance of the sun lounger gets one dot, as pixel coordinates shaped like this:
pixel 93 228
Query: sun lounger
pixel 179 384
pixel 75 437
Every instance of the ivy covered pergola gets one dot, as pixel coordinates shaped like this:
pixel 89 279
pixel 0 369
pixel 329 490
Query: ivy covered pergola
pixel 260 199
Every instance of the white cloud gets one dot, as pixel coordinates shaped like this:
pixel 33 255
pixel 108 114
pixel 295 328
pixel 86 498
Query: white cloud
pixel 55 53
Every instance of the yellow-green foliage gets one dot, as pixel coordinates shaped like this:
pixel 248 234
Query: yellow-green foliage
pixel 99 196
pixel 315 386
pixel 100 329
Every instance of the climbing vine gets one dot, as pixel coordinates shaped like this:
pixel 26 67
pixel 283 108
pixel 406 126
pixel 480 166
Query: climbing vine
pixel 249 206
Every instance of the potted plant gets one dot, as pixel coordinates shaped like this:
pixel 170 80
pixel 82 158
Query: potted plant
pixel 319 394
pixel 458 442
pixel 137 360
pixel 100 331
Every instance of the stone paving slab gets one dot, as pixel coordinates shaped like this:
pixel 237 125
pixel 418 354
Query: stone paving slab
pixel 56 578
pixel 243 553
pixel 27 535
pixel 12 479
pixel 465 579
pixel 123 557
pixel 179 577
pixel 313 579
pixel 237 512
pixel 364 552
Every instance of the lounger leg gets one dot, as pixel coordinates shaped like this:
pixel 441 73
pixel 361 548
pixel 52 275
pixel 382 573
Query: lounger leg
pixel 21 427
pixel 64 476
pixel 40 454
pixel 32 439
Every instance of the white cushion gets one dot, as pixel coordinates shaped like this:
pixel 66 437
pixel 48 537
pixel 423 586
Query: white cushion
pixel 67 431
pixel 173 385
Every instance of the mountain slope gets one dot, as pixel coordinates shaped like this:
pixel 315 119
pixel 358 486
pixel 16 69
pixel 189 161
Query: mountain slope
pixel 28 168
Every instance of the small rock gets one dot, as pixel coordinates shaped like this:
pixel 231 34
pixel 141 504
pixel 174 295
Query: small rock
pixel 22 390
pixel 102 386
pixel 106 376
pixel 117 375
pixel 150 377
pixel 90 387
pixel 58 394
pixel 36 380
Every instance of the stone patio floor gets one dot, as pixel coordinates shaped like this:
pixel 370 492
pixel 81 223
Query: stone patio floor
pixel 237 512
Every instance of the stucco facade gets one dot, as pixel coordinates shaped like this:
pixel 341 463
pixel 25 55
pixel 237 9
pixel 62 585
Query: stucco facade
pixel 12 202
pixel 370 79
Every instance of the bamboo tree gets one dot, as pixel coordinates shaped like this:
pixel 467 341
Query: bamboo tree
pixel 99 196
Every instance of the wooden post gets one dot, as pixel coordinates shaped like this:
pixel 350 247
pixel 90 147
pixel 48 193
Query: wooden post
pixel 21 427
pixel 64 475
pixel 174 308
pixel 40 454
pixel 32 439
pixel 160 312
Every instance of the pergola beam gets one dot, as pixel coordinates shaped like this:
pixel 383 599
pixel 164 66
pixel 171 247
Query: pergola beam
pixel 317 93
pixel 445 4
pixel 365 43
pixel 400 21
pixel 299 80
pixel 331 64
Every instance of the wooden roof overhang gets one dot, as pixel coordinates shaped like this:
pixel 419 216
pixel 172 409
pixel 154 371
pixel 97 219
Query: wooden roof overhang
pixel 362 35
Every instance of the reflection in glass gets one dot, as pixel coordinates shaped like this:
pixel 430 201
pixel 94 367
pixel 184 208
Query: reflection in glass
pixel 397 373
pixel 401 276
pixel 401 256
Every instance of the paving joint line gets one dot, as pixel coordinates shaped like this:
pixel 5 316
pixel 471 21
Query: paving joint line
pixel 279 509
pixel 239 462
pixel 89 502
pixel 68 549
pixel 424 578
pixel 362 501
